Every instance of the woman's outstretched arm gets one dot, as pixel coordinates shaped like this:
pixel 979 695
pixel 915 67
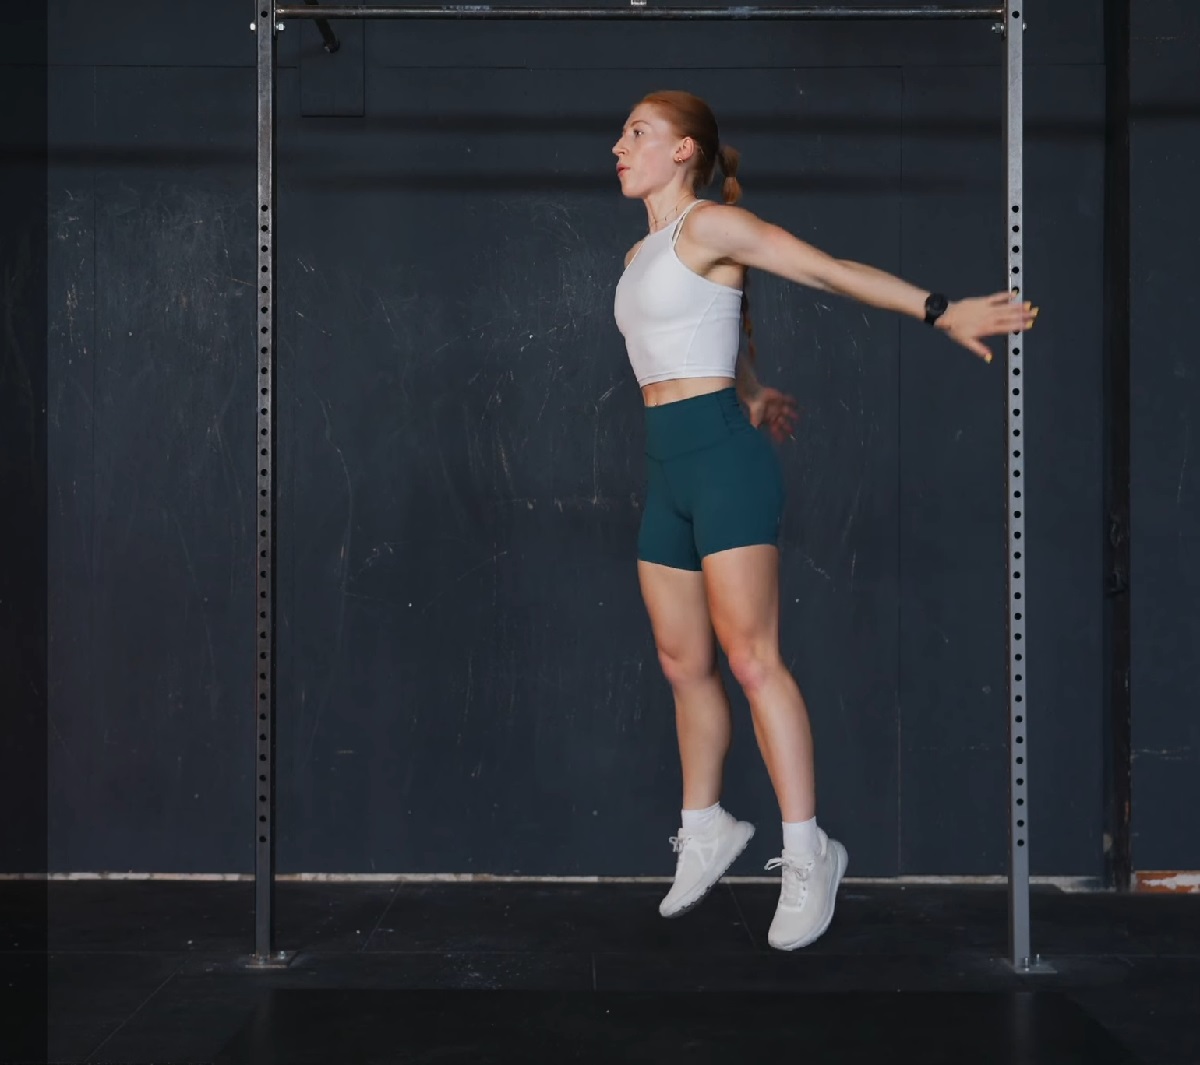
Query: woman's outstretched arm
pixel 734 234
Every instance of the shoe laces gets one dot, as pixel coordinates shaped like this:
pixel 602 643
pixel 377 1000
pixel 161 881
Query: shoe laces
pixel 680 842
pixel 796 872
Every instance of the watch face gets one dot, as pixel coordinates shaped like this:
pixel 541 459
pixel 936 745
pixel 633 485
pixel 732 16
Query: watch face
pixel 936 304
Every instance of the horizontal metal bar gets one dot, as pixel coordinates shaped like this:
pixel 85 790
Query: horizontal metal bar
pixel 827 12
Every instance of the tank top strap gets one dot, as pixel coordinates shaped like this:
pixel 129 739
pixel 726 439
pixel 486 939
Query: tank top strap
pixel 678 226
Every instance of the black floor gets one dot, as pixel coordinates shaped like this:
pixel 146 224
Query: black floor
pixel 153 972
pixel 311 1027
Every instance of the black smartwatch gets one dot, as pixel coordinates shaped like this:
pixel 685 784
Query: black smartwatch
pixel 935 307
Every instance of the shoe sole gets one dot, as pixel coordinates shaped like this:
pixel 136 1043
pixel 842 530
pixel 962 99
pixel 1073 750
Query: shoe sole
pixel 843 859
pixel 687 907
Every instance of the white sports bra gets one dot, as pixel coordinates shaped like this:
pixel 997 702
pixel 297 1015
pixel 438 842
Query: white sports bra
pixel 676 323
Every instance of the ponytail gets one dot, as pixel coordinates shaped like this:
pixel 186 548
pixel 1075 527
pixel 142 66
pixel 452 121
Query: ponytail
pixel 728 159
pixel 731 191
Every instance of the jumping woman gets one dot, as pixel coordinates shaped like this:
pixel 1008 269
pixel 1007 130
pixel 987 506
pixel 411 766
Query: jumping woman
pixel 708 561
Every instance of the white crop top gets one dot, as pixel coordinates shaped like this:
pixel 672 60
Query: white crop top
pixel 675 322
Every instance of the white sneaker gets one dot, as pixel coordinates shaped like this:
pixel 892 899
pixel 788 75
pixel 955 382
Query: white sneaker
pixel 806 900
pixel 703 860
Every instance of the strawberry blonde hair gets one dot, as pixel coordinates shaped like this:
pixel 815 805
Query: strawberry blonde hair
pixel 691 117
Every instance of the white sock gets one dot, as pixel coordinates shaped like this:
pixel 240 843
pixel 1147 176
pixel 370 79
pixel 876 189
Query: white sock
pixel 700 820
pixel 800 837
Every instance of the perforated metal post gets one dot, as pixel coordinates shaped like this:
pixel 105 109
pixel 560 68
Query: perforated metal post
pixel 1018 878
pixel 264 681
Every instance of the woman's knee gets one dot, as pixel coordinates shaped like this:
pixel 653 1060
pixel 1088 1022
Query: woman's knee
pixel 753 664
pixel 685 668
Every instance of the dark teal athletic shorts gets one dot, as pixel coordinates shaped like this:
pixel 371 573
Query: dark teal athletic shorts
pixel 713 482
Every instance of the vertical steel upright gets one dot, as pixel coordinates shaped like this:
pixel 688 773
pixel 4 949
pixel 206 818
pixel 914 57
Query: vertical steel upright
pixel 1020 954
pixel 264 682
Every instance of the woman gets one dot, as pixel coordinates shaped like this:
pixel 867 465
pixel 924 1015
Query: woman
pixel 707 557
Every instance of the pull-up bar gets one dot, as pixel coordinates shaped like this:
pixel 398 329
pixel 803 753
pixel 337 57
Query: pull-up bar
pixel 271 19
pixel 824 13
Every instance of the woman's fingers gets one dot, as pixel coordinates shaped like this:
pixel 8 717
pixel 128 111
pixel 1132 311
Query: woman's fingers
pixel 1009 315
pixel 1010 320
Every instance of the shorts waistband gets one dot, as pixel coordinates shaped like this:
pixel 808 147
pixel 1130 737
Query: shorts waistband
pixel 692 424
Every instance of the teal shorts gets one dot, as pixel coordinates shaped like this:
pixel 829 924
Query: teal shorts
pixel 713 482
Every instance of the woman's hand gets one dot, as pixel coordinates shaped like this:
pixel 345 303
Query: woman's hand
pixel 966 321
pixel 774 409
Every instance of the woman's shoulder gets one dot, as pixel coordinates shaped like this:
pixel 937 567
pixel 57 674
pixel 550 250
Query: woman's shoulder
pixel 708 215
pixel 724 229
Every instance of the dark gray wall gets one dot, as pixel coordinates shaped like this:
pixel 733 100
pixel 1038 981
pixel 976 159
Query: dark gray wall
pixel 23 367
pixel 23 360
pixel 1165 483
pixel 466 679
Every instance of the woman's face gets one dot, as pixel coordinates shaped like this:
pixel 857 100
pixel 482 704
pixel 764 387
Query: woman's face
pixel 646 153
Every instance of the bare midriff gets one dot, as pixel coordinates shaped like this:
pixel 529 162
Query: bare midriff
pixel 662 392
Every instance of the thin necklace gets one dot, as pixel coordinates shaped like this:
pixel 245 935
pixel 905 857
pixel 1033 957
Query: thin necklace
pixel 657 227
